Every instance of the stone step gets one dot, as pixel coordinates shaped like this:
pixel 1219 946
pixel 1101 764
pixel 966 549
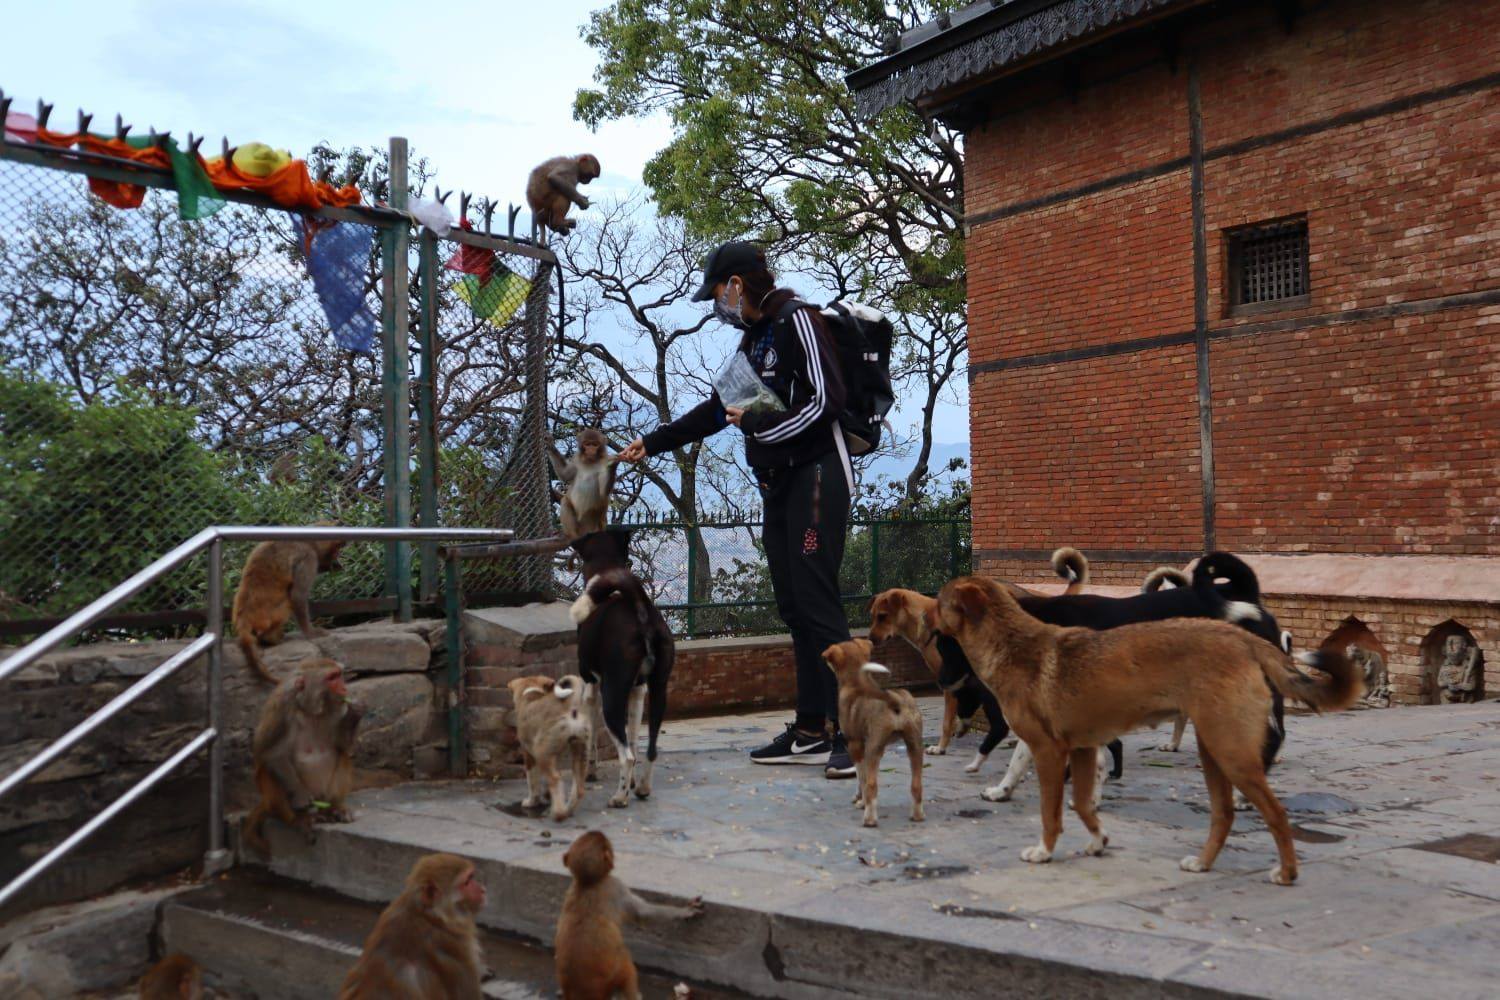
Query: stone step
pixel 260 936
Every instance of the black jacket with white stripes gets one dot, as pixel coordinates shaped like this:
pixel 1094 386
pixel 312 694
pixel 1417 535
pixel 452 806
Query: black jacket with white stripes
pixel 802 369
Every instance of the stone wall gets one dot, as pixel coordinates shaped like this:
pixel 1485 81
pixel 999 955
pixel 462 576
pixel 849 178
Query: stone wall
pixel 394 671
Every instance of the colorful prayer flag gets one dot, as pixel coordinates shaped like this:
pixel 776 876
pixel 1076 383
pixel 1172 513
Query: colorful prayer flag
pixel 337 256
pixel 496 300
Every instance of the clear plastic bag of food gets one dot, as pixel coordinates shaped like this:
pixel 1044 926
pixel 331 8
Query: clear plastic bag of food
pixel 739 386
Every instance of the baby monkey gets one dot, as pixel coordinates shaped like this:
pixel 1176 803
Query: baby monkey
pixel 590 475
pixel 592 960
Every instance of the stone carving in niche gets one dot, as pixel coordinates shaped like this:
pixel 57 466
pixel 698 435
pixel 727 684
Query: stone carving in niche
pixel 1459 679
pixel 1372 665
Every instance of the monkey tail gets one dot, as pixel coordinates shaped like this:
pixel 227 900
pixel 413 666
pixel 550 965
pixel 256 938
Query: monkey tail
pixel 253 830
pixel 251 650
pixel 1073 566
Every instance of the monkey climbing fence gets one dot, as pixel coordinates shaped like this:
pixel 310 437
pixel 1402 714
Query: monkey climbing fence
pixel 187 361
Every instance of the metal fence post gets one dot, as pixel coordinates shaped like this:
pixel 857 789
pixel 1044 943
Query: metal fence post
pixel 217 858
pixel 427 431
pixel 533 501
pixel 692 578
pixel 396 391
pixel 874 558
pixel 458 748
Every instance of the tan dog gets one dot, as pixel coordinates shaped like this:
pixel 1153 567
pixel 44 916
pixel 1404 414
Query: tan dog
pixel 1069 690
pixel 553 719
pixel 873 718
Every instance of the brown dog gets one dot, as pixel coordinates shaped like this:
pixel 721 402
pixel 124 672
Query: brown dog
pixel 872 719
pixel 554 719
pixel 1069 690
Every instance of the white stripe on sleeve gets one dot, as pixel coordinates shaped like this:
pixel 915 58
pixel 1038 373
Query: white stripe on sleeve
pixel 819 403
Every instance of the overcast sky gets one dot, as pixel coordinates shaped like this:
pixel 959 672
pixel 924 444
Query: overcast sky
pixel 483 90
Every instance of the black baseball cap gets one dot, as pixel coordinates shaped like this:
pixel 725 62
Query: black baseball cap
pixel 727 260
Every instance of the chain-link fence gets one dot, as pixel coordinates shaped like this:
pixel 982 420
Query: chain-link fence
pixel 710 578
pixel 159 374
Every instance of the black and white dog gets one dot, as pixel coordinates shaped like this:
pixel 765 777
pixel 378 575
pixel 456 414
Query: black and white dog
pixel 1237 601
pixel 625 652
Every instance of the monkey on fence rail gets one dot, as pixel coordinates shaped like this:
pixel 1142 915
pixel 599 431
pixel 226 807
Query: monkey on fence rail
pixel 276 584
pixel 592 960
pixel 425 943
pixel 552 189
pixel 590 475
pixel 303 750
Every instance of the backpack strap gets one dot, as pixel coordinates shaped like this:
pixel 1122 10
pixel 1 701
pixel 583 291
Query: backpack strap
pixel 788 308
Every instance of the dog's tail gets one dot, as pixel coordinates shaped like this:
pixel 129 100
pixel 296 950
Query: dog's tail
pixel 1241 583
pixel 602 587
pixel 1073 566
pixel 1164 576
pixel 1239 600
pixel 563 689
pixel 1339 684
pixel 867 674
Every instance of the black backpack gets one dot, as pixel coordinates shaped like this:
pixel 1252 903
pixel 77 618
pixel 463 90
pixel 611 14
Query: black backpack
pixel 862 336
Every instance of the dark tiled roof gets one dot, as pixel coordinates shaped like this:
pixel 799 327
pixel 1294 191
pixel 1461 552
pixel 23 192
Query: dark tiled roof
pixel 981 38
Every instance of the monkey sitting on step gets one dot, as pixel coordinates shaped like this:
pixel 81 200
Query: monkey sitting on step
pixel 175 977
pixel 276 584
pixel 425 943
pixel 552 189
pixel 303 751
pixel 592 960
pixel 590 475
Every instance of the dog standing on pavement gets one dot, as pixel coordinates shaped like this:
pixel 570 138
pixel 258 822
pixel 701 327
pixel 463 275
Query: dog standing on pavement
pixel 625 652
pixel 903 613
pixel 554 722
pixel 1067 690
pixel 873 718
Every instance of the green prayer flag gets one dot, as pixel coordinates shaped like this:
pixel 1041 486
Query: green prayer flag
pixel 197 198
pixel 496 300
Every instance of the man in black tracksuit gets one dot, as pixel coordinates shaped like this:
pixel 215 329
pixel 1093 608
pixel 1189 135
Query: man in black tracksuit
pixel 801 465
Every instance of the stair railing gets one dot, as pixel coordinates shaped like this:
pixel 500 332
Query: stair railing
pixel 212 640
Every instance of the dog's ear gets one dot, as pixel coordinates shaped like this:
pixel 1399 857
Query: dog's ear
pixel 866 647
pixel 620 536
pixel 971 599
pixel 834 656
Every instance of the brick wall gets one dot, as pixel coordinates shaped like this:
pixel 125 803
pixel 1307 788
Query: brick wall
pixel 1366 420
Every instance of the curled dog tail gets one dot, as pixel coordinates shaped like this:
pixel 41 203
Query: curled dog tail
pixel 601 588
pixel 1339 686
pixel 1164 576
pixel 1073 566
pixel 563 689
pixel 867 674
pixel 1241 585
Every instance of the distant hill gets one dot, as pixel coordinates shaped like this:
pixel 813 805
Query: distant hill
pixel 889 466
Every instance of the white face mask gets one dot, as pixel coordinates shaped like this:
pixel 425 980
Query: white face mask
pixel 732 315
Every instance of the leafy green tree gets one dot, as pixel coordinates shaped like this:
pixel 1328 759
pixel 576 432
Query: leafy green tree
pixel 767 141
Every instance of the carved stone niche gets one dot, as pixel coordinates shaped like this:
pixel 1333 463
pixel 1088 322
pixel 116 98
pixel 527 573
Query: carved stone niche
pixel 1452 666
pixel 1354 638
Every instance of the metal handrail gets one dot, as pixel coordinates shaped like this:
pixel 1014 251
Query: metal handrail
pixel 212 640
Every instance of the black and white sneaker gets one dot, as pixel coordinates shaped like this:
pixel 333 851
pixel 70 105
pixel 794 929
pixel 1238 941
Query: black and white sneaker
pixel 793 747
pixel 840 764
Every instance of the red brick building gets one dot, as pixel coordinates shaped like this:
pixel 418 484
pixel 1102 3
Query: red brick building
pixel 1234 282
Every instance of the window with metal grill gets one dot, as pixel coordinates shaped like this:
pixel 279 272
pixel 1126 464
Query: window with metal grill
pixel 1267 265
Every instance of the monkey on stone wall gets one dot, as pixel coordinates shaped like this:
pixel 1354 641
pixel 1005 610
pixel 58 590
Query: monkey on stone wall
pixel 590 475
pixel 426 943
pixel 552 189
pixel 303 752
pixel 276 585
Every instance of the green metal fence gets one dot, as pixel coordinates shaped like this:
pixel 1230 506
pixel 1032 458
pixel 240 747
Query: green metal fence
pixel 710 578
pixel 160 373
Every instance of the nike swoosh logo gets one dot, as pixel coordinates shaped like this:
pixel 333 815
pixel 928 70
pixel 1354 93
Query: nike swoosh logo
pixel 803 748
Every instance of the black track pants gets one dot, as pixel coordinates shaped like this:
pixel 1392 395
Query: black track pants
pixel 806 518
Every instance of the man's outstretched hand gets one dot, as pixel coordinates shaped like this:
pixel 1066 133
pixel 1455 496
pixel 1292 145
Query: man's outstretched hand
pixel 634 451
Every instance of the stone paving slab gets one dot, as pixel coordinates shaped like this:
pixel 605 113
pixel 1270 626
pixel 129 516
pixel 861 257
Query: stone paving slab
pixel 824 907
